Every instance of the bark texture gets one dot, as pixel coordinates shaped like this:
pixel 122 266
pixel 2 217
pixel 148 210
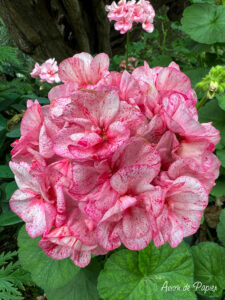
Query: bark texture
pixel 61 28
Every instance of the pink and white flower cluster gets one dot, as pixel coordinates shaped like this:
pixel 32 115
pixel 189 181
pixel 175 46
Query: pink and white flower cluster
pixel 116 158
pixel 48 71
pixel 125 13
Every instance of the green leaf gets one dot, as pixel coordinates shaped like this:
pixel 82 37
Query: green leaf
pixel 9 100
pixel 41 100
pixel 9 218
pixel 211 112
pixel 147 274
pixel 15 133
pixel 204 23
pixel 209 261
pixel 2 139
pixel 219 189
pixel 4 257
pixel 45 271
pixel 5 172
pixel 201 297
pixel 83 286
pixel 221 101
pixel 221 227
pixel 203 1
pixel 196 75
pixel 10 188
pixel 3 123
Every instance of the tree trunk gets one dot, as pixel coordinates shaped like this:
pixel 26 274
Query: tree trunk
pixel 61 28
pixel 54 28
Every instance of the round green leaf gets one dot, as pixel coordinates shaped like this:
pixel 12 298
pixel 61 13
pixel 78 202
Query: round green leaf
pixel 209 261
pixel 82 286
pixel 204 23
pixel 149 274
pixel 45 271
pixel 221 227
pixel 221 101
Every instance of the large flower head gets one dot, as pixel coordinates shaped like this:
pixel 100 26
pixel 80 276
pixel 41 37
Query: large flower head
pixel 116 158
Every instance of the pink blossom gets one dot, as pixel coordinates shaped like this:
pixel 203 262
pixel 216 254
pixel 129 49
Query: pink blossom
pixel 48 71
pixel 37 130
pixel 127 12
pixel 185 200
pixel 84 70
pixel 36 71
pixel 101 124
pixel 77 72
pixel 154 83
pixel 28 202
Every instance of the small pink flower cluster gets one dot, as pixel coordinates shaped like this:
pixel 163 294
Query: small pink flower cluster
pixel 116 158
pixel 48 71
pixel 127 12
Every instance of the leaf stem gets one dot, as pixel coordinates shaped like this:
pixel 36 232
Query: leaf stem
pixel 202 102
pixel 127 48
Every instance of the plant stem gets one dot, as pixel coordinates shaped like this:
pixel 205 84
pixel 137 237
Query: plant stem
pixel 164 39
pixel 127 48
pixel 202 102
pixel 210 235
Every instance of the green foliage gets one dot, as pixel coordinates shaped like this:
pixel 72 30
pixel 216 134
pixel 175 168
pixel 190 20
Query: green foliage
pixel 214 82
pixel 221 227
pixel 204 23
pixel 209 260
pixel 8 55
pixel 9 218
pixel 211 112
pixel 12 277
pixel 4 36
pixel 5 172
pixel 141 275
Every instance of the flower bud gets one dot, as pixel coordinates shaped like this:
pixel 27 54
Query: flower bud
pixel 213 86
